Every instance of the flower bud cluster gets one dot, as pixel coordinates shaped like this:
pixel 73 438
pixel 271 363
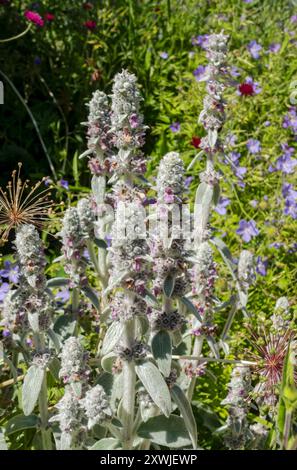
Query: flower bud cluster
pixel 246 270
pixel 96 406
pixel 30 251
pixel 73 361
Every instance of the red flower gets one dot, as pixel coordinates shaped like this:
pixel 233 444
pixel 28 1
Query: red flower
pixel 246 89
pixel 49 17
pixel 195 141
pixel 34 17
pixel 90 24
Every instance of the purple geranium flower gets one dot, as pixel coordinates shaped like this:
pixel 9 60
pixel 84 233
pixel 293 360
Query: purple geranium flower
pixel 64 184
pixel 163 55
pixel 199 72
pixel 254 202
pixel 286 164
pixel 291 208
pixel 231 140
pixel 254 146
pixel 267 123
pixel 63 295
pixel 221 206
pixel 247 230
pixel 234 157
pixel 290 119
pixel 188 181
pixel 254 49
pixel 240 171
pixel 274 47
pixel 4 288
pixel 200 40
pixel 175 127
pixel 288 192
pixel 234 72
pixel 10 272
pixel 261 266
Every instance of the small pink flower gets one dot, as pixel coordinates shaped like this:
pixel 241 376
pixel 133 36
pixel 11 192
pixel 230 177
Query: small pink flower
pixel 34 18
pixel 168 196
pixel 49 17
pixel 90 24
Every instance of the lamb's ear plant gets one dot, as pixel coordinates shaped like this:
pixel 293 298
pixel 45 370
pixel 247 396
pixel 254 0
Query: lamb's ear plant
pixel 153 289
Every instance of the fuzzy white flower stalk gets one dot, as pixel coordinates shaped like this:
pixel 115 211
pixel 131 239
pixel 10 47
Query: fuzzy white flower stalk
pixel 212 118
pixel 73 246
pixel 73 362
pixel 168 248
pixel 237 430
pixel 96 406
pixel 30 251
pixel 128 270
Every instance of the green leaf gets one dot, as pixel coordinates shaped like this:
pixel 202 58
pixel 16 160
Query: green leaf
pixel 107 361
pixel 64 326
pixel 31 388
pixel 155 385
pixel 100 243
pixel 170 432
pixel 91 296
pixel 168 285
pixel 191 308
pixel 186 411
pixel 108 443
pixel 161 349
pixel 112 337
pixel 106 381
pixel 58 282
pixel 216 194
pixel 21 422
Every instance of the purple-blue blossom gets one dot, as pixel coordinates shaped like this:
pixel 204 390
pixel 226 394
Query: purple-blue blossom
pixel 274 47
pixel 200 40
pixel 254 146
pixel 286 164
pixel 290 119
pixel 221 207
pixel 247 230
pixel 261 266
pixel 175 127
pixel 163 55
pixel 254 49
pixel 63 295
pixel 10 272
pixel 64 184
pixel 199 72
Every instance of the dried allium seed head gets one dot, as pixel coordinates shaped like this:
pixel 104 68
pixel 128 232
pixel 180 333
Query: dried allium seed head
pixel 96 406
pixel 31 255
pixel 18 208
pixel 73 361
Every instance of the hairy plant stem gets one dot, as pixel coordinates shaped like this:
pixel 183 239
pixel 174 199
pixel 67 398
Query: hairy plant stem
pixel 198 343
pixel 129 382
pixel 42 400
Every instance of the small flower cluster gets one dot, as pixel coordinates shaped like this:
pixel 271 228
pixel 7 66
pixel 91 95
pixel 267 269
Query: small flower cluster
pixel 138 350
pixel 31 256
pixel 246 270
pixel 127 125
pixel 73 361
pixel 169 321
pixel 123 309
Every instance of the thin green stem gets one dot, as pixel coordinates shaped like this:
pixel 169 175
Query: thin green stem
pixel 18 35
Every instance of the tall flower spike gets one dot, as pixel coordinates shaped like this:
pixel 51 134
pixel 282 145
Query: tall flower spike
pixel 86 216
pixel 73 361
pixel 246 269
pixel 22 205
pixel 99 135
pixel 127 125
pixel 30 252
pixel 96 406
pixel 281 317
